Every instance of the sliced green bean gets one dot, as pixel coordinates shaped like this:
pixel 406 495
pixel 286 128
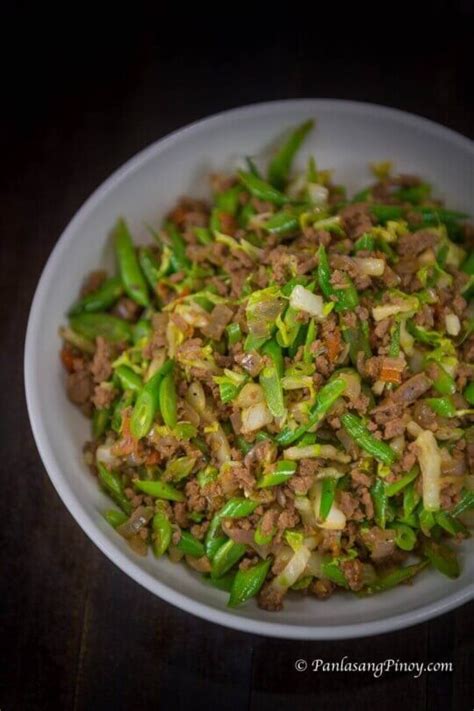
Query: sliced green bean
pixel 393 578
pixel 366 242
pixel 280 165
pixel 450 524
pixel 397 486
pixel 168 400
pixel 112 483
pixel 101 299
pixel 226 557
pixel 443 406
pixel 234 508
pixel 405 537
pixel 359 432
pixel 347 298
pixel 379 498
pixel 150 267
pixel 162 532
pixel 180 468
pixel 129 380
pixel 331 570
pixel 234 333
pixel 468 393
pixel 100 421
pixel 328 493
pixel 94 325
pixel 442 558
pixel 358 340
pixel 124 402
pixel 132 277
pixel 283 471
pixel 190 545
pixel 247 583
pixel 159 490
pixel 115 518
pixel 262 190
pixel 270 378
pixel 147 404
pixel 282 223
pixel 465 504
pixel 325 399
pixel 229 200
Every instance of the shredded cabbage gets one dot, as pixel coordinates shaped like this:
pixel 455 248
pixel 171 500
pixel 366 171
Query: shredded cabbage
pixel 313 451
pixel 263 308
pixel 429 458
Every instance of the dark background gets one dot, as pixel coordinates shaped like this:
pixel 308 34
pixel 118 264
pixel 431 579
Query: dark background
pixel 80 95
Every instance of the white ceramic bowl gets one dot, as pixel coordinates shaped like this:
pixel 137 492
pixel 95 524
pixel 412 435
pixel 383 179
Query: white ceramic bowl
pixel 347 136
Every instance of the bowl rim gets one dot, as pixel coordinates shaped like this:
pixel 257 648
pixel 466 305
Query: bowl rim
pixel 86 522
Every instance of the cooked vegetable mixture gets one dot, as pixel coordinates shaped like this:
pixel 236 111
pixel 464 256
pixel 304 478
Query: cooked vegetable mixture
pixel 281 384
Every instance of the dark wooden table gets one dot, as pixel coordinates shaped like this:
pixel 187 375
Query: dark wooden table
pixel 76 632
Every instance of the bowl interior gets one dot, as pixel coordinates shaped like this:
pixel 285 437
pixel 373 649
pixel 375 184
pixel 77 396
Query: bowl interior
pixel 347 137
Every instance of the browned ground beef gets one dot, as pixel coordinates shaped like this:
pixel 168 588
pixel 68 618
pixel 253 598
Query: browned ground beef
pixel 256 334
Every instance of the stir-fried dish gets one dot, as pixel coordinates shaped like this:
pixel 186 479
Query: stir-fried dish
pixel 281 383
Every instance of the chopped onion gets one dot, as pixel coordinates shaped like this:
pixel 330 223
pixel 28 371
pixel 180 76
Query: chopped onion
pixel 312 541
pixel 370 265
pixel 255 417
pixel 398 444
pixel 414 428
pixel 297 186
pixel 104 455
pixel 293 570
pixel 202 565
pixel 314 565
pixel 406 339
pixel 430 464
pixel 190 414
pixel 352 380
pixel 427 257
pixel 453 324
pixel 193 314
pixel 329 473
pixel 317 194
pixel 220 445
pixel 407 305
pixel 311 451
pixel 296 382
pixel 304 300
pixel 251 394
pixel 196 397
pixel 305 509
pixel 139 518
pixel 378 387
